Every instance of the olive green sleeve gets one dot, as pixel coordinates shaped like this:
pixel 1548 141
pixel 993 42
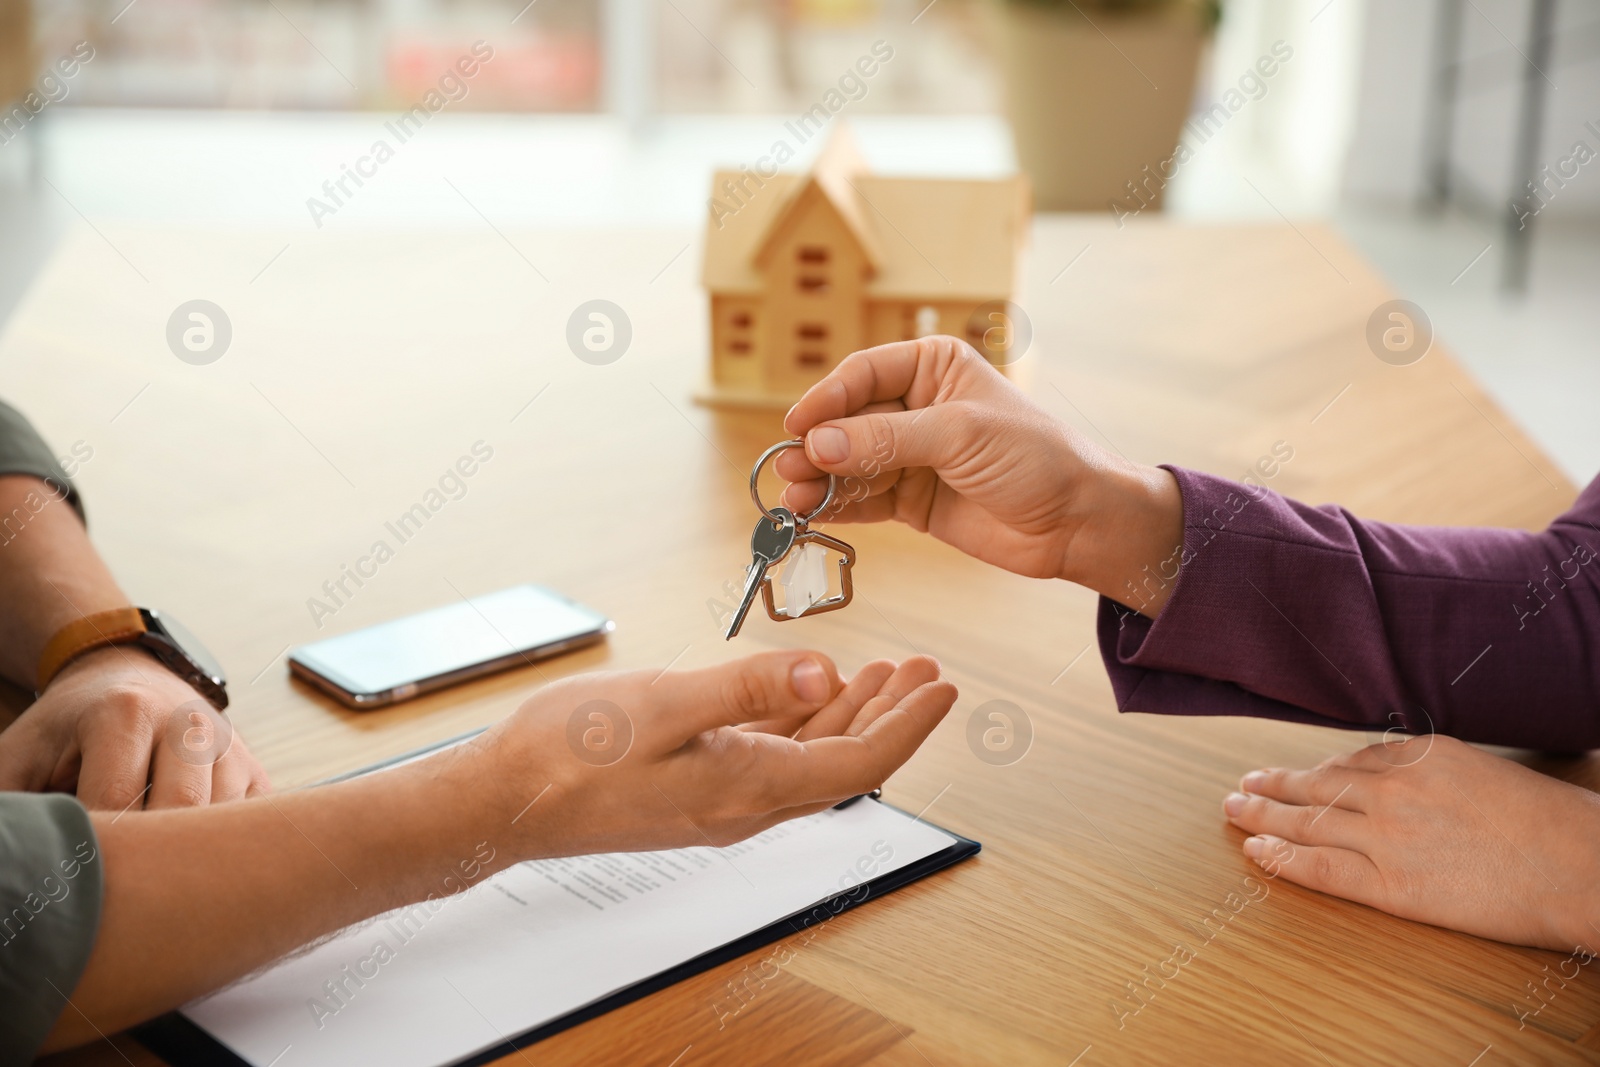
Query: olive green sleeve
pixel 50 892
pixel 23 451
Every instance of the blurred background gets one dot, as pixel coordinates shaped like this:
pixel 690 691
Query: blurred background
pixel 1449 140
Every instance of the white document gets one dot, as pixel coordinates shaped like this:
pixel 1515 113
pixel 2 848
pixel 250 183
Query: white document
pixel 437 982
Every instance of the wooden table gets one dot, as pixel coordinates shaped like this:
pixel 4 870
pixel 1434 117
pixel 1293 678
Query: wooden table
pixel 363 365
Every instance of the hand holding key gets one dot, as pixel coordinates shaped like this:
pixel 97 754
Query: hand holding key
pixel 928 433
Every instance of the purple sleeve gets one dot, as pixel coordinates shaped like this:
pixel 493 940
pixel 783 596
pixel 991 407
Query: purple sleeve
pixel 1312 615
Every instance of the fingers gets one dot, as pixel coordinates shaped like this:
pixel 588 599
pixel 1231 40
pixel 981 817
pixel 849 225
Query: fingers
pixel 842 710
pixel 1318 825
pixel 833 768
pixel 116 761
pixel 768 685
pixel 1328 784
pixel 1338 871
pixel 843 707
pixel 802 497
pixel 868 446
pixel 911 372
pixel 792 464
pixel 196 745
pixel 177 781
pixel 260 786
pixel 809 486
pixel 237 775
pixel 21 753
pixel 861 378
pixel 911 676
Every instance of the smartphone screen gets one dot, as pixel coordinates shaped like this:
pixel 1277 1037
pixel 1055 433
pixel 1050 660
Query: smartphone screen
pixel 406 657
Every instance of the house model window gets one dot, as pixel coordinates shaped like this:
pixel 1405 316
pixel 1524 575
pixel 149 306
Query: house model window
pixel 803 269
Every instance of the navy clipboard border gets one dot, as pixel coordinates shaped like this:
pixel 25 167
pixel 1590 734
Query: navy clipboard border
pixel 182 1043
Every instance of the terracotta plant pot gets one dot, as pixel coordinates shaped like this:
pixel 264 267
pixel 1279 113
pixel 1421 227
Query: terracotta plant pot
pixel 1091 103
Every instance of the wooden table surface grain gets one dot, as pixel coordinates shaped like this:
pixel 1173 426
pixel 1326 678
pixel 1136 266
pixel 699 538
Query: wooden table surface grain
pixel 363 364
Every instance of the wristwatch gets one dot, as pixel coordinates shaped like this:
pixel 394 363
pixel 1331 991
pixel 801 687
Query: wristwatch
pixel 160 635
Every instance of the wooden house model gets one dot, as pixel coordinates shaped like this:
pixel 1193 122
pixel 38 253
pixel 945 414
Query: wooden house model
pixel 803 269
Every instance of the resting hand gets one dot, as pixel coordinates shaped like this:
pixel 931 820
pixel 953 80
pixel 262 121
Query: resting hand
pixel 639 760
pixel 115 721
pixel 928 433
pixel 1435 830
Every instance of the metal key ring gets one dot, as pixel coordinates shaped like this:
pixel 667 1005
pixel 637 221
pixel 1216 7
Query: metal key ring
pixel 755 475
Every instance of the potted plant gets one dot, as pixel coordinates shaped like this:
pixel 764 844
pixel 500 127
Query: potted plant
pixel 1097 90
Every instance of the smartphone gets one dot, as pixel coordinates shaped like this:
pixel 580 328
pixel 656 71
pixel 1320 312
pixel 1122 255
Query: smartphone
pixel 406 657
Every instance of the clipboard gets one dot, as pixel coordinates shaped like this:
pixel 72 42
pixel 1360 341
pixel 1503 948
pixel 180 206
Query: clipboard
pixel 183 1042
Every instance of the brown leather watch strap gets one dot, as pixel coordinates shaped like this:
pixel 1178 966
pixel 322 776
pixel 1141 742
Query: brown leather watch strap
pixel 115 627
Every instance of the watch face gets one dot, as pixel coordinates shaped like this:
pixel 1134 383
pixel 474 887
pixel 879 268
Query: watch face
pixel 188 644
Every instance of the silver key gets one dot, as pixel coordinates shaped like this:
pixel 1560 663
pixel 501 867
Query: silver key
pixel 769 543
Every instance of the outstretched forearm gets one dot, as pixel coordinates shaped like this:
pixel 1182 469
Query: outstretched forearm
pixel 195 898
pixel 50 573
pixel 1283 610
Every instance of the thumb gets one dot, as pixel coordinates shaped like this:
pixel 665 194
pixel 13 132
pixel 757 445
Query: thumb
pixel 768 685
pixel 868 445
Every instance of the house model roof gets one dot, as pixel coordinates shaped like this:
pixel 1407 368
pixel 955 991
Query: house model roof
pixel 924 238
